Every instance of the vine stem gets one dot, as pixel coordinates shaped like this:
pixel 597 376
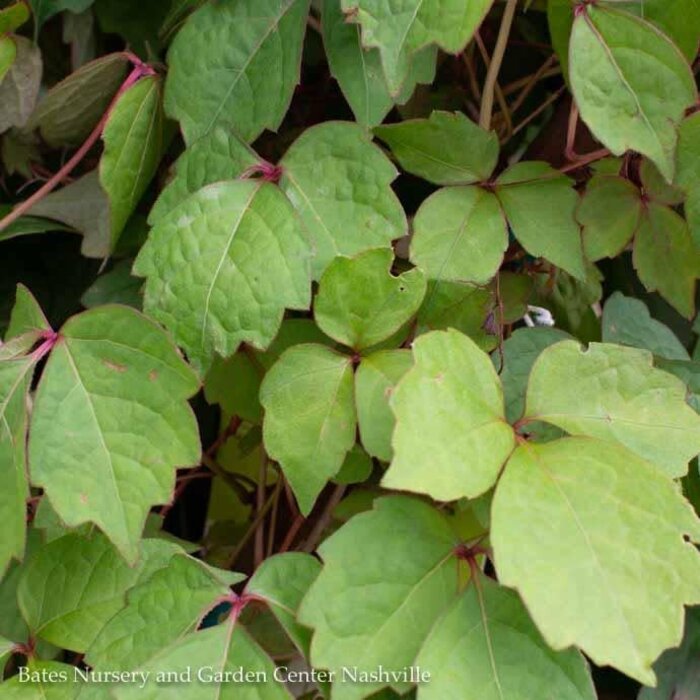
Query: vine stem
pixel 496 60
pixel 322 523
pixel 138 71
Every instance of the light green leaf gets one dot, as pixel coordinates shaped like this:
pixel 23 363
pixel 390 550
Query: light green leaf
pixel 340 183
pixel 72 108
pixel 15 380
pixel 110 414
pixel 20 86
pixel 631 84
pixel 72 586
pixel 678 670
pixel 223 265
pixel 609 213
pixel 688 172
pixel 309 417
pixel 226 648
pixel 487 647
pixel 519 354
pixel 158 612
pixel 44 682
pixel 27 316
pixel 27 225
pixel 679 19
pixel 386 571
pixel 218 156
pixel 540 205
pixel 133 138
pixel 447 148
pixel 614 393
pixel 282 581
pixel 82 205
pixel 45 9
pixel 361 303
pixel 234 383
pixel 607 532
pixel 236 63
pixel 460 235
pixel 398 31
pixel 451 438
pixel 359 71
pixel 13 16
pixel 666 258
pixel 375 380
pixel 627 321
pixel 8 53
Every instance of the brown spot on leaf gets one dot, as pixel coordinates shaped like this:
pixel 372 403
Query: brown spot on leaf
pixel 115 366
pixel 83 498
pixel 153 375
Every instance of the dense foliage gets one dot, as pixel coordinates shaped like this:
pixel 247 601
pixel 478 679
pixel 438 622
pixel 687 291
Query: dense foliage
pixel 374 359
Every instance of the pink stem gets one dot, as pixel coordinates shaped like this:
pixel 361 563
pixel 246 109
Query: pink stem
pixel 140 69
pixel 50 339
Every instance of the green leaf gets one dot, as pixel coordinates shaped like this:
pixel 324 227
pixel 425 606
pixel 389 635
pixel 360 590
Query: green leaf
pixel 451 438
pixel 607 532
pixel 236 63
pixel 688 172
pixel 15 380
pixel 609 213
pixel 158 612
pixel 666 258
pixel 375 380
pixel 359 72
pixel 631 84
pixel 519 354
pixel 614 393
pixel 82 205
pixel 223 265
pixel 540 204
pixel 678 670
pixel 487 646
pixel 27 225
pixel 117 388
pixel 13 16
pixel 340 183
pixel 114 287
pixel 627 321
pixel 447 148
pixel 398 31
pixel 655 186
pixel 386 571
pixel 133 138
pixel 72 586
pixel 218 156
pixel 459 305
pixel 361 303
pixel 6 648
pixel 45 9
pixel 356 468
pixel 225 649
pixel 282 581
pixel 8 54
pixel 20 86
pixel 309 417
pixel 72 108
pixel 459 235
